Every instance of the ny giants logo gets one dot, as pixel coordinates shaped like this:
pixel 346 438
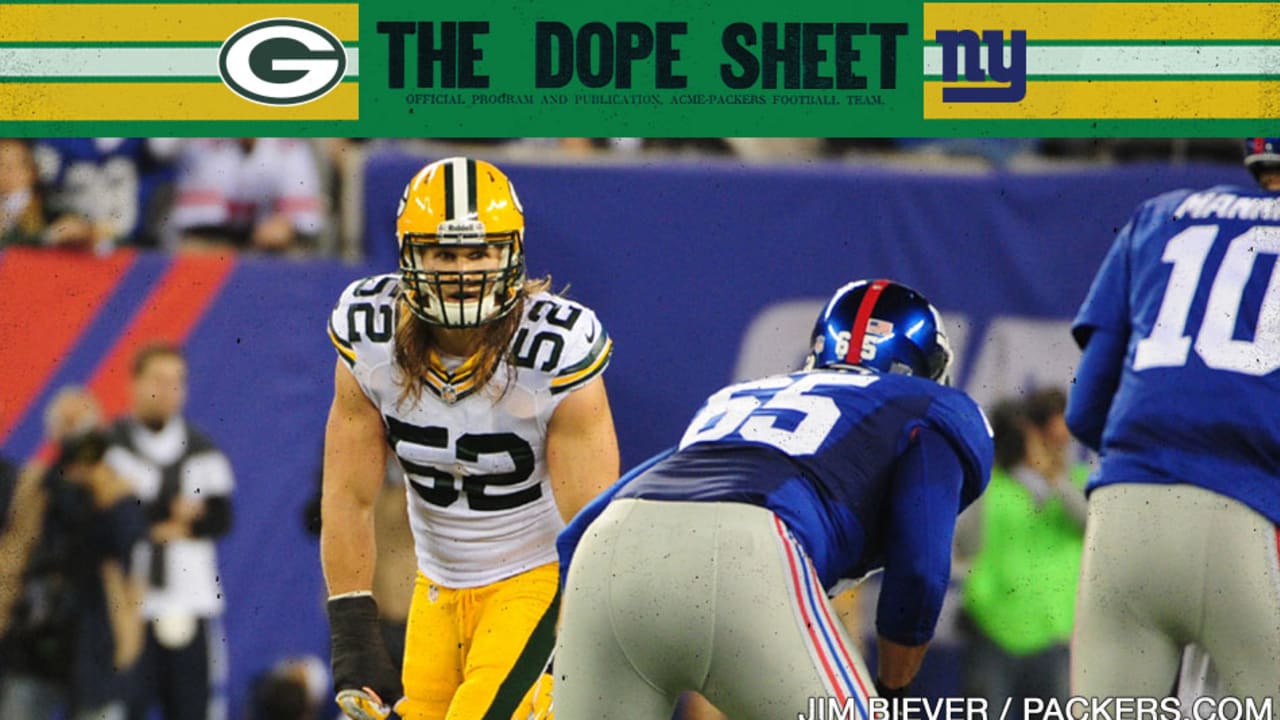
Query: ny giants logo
pixel 1013 72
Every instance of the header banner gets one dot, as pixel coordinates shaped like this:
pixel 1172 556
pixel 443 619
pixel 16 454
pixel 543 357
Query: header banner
pixel 649 68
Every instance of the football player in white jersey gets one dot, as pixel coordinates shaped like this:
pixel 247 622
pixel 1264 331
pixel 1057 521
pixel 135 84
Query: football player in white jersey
pixel 488 390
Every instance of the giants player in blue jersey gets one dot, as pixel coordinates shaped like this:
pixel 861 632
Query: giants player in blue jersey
pixel 708 568
pixel 1179 390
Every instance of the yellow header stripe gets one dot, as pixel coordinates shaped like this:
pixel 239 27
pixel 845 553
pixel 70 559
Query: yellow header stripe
pixel 1111 21
pixel 1119 100
pixel 189 22
pixel 57 101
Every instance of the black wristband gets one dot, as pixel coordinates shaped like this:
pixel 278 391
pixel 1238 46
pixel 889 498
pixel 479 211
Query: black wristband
pixel 352 616
pixel 358 655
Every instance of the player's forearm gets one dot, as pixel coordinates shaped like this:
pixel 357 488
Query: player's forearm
pixel 348 549
pixel 898 664
pixel 582 449
pixel 924 500
pixel 578 478
pixel 570 503
pixel 911 600
pixel 354 465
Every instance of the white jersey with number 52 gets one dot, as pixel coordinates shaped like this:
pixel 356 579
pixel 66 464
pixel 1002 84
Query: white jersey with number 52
pixel 480 502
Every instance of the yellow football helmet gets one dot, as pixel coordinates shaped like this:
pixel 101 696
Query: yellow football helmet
pixel 461 232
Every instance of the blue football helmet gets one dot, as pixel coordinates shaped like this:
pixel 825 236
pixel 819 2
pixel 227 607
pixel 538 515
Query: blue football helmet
pixel 881 325
pixel 1261 154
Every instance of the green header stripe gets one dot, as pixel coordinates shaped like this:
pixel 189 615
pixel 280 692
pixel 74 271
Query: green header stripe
pixel 1031 77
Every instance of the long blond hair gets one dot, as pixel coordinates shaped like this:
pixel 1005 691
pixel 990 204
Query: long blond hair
pixel 414 342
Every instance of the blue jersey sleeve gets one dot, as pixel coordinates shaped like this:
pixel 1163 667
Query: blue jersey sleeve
pixel 1106 305
pixel 1096 382
pixel 567 540
pixel 961 422
pixel 924 499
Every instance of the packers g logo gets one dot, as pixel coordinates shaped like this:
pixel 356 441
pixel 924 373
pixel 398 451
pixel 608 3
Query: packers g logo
pixel 282 61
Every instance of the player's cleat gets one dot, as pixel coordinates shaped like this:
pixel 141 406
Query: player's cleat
pixel 362 704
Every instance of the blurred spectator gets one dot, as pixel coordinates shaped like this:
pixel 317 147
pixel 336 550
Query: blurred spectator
pixel 185 485
pixel 1021 589
pixel 342 165
pixel 263 194
pixel 21 210
pixel 584 146
pixel 689 146
pixel 775 149
pixel 995 151
pixel 1175 150
pixel 69 615
pixel 1122 150
pixel 104 192
pixel 8 483
pixel 296 688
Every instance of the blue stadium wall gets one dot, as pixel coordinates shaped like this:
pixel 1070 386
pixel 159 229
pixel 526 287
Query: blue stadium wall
pixel 679 260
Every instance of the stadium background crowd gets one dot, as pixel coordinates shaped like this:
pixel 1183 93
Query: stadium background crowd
pixel 303 196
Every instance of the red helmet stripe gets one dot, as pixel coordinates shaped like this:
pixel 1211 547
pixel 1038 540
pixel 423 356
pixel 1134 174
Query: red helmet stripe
pixel 853 355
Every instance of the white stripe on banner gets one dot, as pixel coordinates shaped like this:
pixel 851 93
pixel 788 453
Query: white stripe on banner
pixel 1133 60
pixel 123 62
pixel 459 189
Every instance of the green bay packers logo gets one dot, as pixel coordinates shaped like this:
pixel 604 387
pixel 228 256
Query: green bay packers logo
pixel 282 61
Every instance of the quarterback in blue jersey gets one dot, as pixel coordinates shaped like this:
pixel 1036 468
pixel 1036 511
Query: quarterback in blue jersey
pixel 708 567
pixel 1179 390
